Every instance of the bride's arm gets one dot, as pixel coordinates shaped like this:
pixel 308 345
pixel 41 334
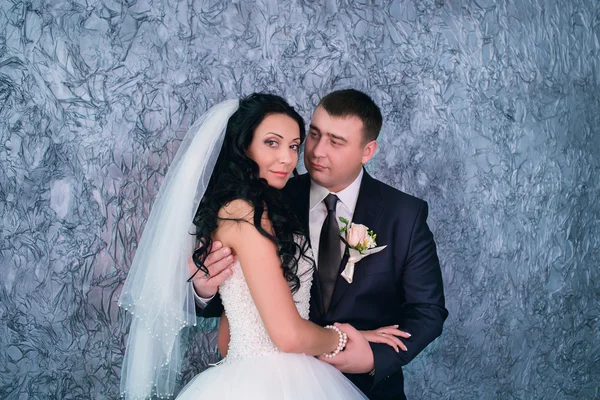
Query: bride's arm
pixel 223 335
pixel 261 266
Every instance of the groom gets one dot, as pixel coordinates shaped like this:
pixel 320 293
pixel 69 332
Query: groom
pixel 400 285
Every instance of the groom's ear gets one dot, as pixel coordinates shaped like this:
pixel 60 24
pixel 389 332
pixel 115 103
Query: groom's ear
pixel 369 151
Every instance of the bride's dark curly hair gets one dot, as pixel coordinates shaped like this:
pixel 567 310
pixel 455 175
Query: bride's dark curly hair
pixel 236 176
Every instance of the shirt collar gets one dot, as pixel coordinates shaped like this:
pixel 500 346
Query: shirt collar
pixel 347 196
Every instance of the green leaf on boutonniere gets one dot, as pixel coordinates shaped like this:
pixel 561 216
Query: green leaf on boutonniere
pixel 345 227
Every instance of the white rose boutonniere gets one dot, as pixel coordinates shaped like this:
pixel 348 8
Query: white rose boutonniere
pixel 361 243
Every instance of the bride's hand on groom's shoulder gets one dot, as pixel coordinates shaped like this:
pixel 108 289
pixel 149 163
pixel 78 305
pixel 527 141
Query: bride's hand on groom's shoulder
pixel 219 263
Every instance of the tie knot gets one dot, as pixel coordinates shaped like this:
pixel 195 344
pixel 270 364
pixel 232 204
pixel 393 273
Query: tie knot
pixel 330 202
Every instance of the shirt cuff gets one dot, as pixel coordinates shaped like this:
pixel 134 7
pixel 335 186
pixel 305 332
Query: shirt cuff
pixel 201 301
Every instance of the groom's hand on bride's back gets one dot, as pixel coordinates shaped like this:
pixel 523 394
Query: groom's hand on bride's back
pixel 219 263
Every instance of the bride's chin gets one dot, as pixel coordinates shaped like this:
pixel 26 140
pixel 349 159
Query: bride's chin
pixel 277 183
pixel 277 186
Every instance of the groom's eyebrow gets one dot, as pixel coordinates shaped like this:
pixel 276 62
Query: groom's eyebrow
pixel 336 137
pixel 333 135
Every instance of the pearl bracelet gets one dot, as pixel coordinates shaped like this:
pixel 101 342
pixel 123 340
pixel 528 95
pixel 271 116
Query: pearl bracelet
pixel 341 344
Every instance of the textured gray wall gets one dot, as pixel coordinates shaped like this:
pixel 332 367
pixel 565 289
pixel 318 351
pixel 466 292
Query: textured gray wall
pixel 491 111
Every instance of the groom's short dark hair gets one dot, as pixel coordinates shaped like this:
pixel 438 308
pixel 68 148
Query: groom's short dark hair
pixel 351 102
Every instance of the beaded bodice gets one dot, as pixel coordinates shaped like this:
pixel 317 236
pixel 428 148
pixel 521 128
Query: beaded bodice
pixel 248 336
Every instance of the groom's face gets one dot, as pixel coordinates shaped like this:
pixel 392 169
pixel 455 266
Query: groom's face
pixel 335 150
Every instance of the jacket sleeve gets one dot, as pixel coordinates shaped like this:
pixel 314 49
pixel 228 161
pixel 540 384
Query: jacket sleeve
pixel 421 311
pixel 214 308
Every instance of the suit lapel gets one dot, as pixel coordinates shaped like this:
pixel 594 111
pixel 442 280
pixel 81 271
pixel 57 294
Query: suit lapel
pixel 368 209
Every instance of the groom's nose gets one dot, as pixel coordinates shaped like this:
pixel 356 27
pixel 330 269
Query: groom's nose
pixel 320 148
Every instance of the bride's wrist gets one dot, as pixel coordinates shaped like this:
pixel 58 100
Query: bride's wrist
pixel 342 340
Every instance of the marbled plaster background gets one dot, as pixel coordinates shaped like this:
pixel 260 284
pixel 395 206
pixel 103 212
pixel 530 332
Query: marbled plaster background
pixel 492 115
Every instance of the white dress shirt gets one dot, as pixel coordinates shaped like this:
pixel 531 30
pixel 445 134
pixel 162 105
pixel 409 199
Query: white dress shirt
pixel 318 211
pixel 317 214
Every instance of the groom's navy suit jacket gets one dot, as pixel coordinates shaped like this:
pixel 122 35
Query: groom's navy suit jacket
pixel 401 284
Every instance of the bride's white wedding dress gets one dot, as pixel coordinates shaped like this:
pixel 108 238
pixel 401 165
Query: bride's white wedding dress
pixel 254 368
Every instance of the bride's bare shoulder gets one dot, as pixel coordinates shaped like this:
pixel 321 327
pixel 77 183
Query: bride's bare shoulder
pixel 237 209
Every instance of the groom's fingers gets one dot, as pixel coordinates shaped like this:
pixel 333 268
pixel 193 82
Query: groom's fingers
pixel 218 263
pixel 215 268
pixel 335 361
pixel 349 330
pixel 217 280
pixel 218 260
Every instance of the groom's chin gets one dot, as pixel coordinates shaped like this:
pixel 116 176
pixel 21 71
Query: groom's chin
pixel 319 176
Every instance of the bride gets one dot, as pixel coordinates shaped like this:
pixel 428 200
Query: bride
pixel 226 178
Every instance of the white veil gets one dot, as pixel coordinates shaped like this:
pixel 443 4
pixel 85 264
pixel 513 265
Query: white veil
pixel 156 291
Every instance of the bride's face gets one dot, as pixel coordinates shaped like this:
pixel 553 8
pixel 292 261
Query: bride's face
pixel 274 148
